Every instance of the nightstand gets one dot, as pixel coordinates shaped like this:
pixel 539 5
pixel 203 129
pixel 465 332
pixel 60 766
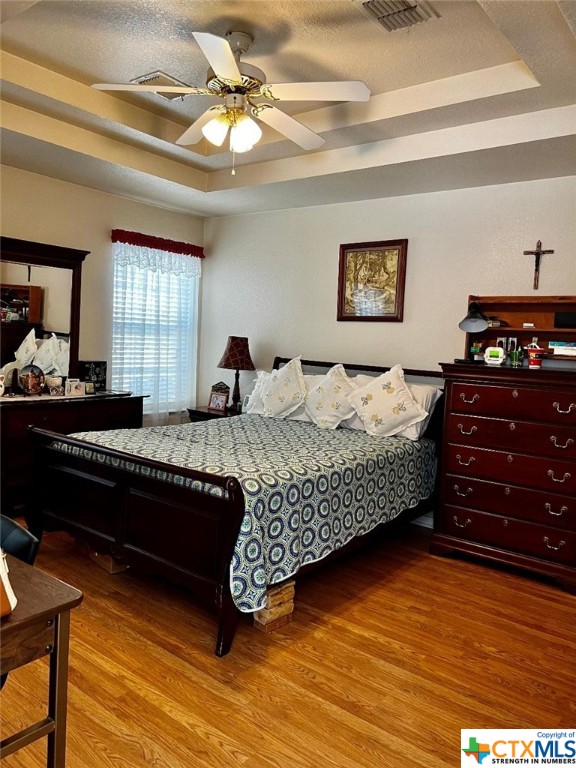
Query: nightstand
pixel 201 413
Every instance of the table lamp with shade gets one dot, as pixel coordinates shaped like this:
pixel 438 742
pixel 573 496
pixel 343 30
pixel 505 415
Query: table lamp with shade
pixel 236 357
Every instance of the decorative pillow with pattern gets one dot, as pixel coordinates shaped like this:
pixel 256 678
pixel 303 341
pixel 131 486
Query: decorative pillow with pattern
pixel 310 380
pixel 386 405
pixel 256 406
pixel 284 390
pixel 327 403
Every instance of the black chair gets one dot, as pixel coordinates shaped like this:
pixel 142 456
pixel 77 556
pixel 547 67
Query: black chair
pixel 18 542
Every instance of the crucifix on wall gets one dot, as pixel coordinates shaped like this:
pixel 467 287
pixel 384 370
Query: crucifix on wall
pixel 537 254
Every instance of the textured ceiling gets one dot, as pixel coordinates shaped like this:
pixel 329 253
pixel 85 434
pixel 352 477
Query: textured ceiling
pixel 485 94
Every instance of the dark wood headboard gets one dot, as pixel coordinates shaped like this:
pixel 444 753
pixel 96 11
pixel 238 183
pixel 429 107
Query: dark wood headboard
pixel 359 368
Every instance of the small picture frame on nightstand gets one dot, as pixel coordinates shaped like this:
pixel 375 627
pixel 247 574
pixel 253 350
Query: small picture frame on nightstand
pixel 217 401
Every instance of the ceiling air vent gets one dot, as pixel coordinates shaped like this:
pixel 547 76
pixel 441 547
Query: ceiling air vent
pixel 161 78
pixel 399 14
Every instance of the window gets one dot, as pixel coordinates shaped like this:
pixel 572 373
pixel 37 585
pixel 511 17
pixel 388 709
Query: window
pixel 155 323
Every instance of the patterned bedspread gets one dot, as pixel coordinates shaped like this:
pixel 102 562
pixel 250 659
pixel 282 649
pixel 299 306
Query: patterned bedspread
pixel 308 490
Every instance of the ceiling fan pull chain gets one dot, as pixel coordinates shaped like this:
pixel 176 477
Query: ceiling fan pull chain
pixel 233 171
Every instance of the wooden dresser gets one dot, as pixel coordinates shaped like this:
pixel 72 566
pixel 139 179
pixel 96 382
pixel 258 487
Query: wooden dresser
pixel 508 468
pixel 60 414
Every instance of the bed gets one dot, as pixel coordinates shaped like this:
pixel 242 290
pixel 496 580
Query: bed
pixel 233 506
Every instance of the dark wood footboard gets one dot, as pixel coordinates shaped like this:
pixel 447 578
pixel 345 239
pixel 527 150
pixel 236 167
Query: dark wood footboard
pixel 184 533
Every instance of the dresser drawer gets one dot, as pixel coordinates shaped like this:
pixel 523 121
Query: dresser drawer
pixel 15 423
pixel 106 413
pixel 539 439
pixel 513 468
pixel 507 533
pixel 553 406
pixel 522 503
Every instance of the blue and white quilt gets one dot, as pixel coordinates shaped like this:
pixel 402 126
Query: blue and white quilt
pixel 308 491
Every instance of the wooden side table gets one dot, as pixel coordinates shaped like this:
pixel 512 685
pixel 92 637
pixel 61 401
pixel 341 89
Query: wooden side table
pixel 39 626
pixel 201 413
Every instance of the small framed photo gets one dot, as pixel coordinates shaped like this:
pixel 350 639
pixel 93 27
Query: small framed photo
pixel 90 387
pixel 217 401
pixel 75 388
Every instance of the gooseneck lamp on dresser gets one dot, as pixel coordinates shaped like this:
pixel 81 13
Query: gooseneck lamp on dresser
pixel 474 322
pixel 236 357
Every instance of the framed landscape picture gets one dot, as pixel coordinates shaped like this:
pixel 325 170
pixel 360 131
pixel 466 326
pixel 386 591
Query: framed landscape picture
pixel 371 281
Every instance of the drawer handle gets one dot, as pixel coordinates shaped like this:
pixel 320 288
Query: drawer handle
pixel 458 492
pixel 464 524
pixel 550 546
pixel 567 476
pixel 509 458
pixel 548 508
pixel 471 460
pixel 470 402
pixel 464 432
pixel 556 444
pixel 569 409
pixel 515 393
pixel 512 426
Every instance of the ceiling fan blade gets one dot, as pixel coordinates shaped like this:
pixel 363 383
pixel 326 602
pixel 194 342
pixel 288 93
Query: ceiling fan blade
pixel 351 90
pixel 194 133
pixel 219 55
pixel 288 127
pixel 184 90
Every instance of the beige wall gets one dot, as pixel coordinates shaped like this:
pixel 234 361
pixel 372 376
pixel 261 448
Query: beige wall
pixel 273 276
pixel 46 210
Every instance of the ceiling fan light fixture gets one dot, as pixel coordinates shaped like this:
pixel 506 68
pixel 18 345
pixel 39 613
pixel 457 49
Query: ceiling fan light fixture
pixel 245 132
pixel 215 130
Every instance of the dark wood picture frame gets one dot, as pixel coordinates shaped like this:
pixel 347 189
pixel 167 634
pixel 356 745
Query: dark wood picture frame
pixel 371 279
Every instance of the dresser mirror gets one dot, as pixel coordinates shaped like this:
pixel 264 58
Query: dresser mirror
pixel 58 271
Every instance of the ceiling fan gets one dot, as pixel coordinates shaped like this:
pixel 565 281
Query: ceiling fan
pixel 242 89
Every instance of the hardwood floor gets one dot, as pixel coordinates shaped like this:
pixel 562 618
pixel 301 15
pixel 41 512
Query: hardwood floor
pixel 391 653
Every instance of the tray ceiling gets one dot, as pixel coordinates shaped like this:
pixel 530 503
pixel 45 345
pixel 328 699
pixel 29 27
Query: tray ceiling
pixel 485 94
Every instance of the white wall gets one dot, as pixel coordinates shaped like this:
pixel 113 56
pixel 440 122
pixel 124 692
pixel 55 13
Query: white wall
pixel 273 276
pixel 47 210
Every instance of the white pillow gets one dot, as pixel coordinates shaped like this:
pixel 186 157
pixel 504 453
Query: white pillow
pixel 310 381
pixel 426 396
pixel 46 354
pixel 284 390
pixel 255 404
pixel 26 351
pixel 326 403
pixel 355 422
pixel 385 405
